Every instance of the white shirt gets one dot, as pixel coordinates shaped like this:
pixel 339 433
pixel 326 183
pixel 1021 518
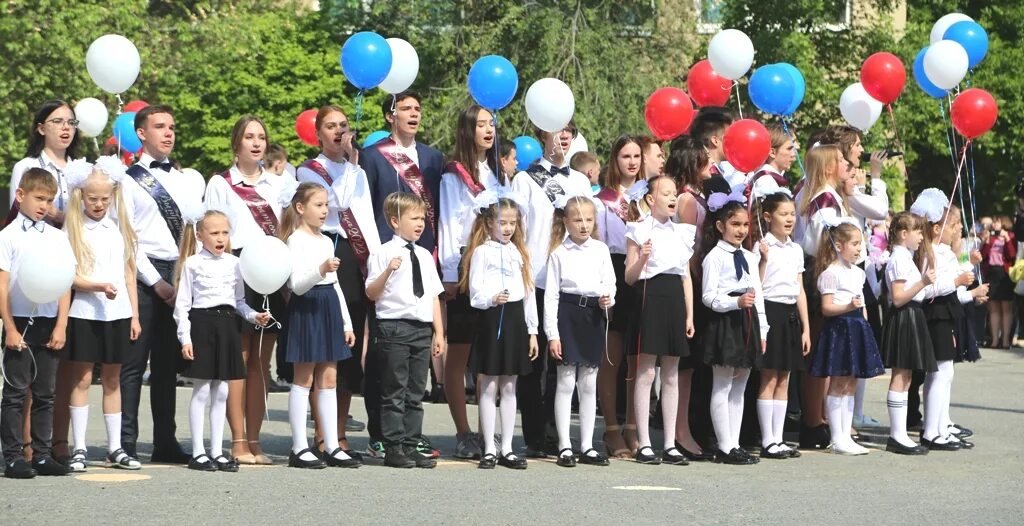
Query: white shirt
pixel 611 227
pixel 308 253
pixel 15 239
pixel 44 162
pixel 731 174
pixel 209 281
pixel 408 150
pixel 155 239
pixel 457 217
pixel 947 269
pixel 864 207
pixel 349 191
pixel 781 282
pixel 671 246
pixel 720 281
pixel 809 227
pixel 398 301
pixel 221 196
pixel 583 270
pixel 843 282
pixel 104 240
pixel 764 183
pixel 539 211
pixel 901 267
pixel 495 267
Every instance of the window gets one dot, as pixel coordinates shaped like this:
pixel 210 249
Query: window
pixel 637 19
pixel 709 15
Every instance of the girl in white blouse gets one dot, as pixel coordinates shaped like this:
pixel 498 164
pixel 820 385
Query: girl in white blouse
pixel 497 276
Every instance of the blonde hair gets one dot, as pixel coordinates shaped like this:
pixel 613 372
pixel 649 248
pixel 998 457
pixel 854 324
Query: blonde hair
pixel 396 202
pixel 828 247
pixel 638 208
pixel 558 221
pixel 817 161
pixel 189 241
pixel 481 231
pixel 74 223
pixel 290 218
pixel 925 253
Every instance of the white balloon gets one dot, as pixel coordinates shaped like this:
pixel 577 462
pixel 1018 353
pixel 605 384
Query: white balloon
pixel 92 116
pixel 113 63
pixel 942 24
pixel 579 144
pixel 731 53
pixel 266 264
pixel 405 65
pixel 550 104
pixel 945 64
pixel 42 276
pixel 858 108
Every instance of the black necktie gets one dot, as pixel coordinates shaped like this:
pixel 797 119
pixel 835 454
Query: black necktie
pixel 165 166
pixel 740 262
pixel 27 224
pixel 417 277
pixel 564 170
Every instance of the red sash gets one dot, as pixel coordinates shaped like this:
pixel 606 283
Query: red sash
pixel 410 174
pixel 826 200
pixel 258 207
pixel 456 168
pixel 614 202
pixel 347 219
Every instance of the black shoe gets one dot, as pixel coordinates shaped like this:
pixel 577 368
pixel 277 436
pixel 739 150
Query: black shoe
pixel 593 458
pixel 223 463
pixel 964 444
pixel 422 460
pixel 202 463
pixel 934 446
pixel 736 457
pixel 747 454
pixel 778 454
pixel 296 461
pixel 172 454
pixel 817 437
pixel 19 469
pixel 535 453
pixel 673 457
pixel 353 425
pixel 394 457
pixel 566 461
pixel 793 451
pixel 333 461
pixel 703 456
pixel 893 446
pixel 963 432
pixel 487 461
pixel 644 458
pixel 48 467
pixel 510 460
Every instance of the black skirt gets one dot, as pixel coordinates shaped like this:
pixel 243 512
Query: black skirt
pixel 462 320
pixel 785 349
pixel 95 341
pixel 581 327
pixel 659 325
pixel 622 316
pixel 315 331
pixel 1000 286
pixel 216 345
pixel 504 354
pixel 950 330
pixel 906 343
pixel 732 339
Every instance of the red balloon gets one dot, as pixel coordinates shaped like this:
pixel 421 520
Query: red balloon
pixel 669 113
pixel 135 105
pixel 974 112
pixel 883 77
pixel 305 127
pixel 706 87
pixel 746 144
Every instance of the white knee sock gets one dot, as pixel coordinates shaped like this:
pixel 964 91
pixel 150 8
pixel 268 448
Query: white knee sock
pixel 218 413
pixel 196 410
pixel 563 404
pixel 935 389
pixel 848 403
pixel 858 398
pixel 779 422
pixel 944 419
pixel 113 422
pixel 897 402
pixel 721 384
pixel 298 404
pixel 765 417
pixel 327 410
pixel 642 398
pixel 79 421
pixel 508 413
pixel 834 407
pixel 669 398
pixel 736 393
pixel 488 411
pixel 586 386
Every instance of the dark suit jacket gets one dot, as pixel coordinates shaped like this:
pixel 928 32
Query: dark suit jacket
pixel 383 180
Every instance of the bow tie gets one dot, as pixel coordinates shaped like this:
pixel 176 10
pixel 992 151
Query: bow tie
pixel 27 224
pixel 165 166
pixel 564 170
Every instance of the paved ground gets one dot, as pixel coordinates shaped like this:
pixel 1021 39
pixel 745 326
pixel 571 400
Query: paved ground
pixel 983 486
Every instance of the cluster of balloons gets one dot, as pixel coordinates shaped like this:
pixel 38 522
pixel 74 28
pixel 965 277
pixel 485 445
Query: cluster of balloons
pixel 368 61
pixel 957 45
pixel 777 89
pixel 882 78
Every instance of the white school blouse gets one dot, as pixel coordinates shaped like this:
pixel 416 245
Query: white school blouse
pixel 580 269
pixel 720 281
pixel 495 267
pixel 901 267
pixel 843 282
pixel 309 251
pixel 781 282
pixel 44 162
pixel 809 227
pixel 17 238
pixel 209 281
pixel 671 246
pixel 104 240
pixel 398 302
pixel 349 191
pixel 221 196
pixel 456 218
pixel 947 269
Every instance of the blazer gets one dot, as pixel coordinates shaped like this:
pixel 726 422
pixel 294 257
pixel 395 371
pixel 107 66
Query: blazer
pixel 383 180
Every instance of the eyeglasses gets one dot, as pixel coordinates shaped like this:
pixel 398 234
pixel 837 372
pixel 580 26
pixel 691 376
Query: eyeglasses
pixel 59 123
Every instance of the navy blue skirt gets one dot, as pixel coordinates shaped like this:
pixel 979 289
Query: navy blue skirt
pixel 847 347
pixel 581 329
pixel 315 330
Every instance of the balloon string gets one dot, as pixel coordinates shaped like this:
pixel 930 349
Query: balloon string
pixel 738 103
pixel 895 131
pixel 25 348
pixel 359 106
pixel 259 355
pixel 501 314
pixel 952 157
pixel 498 174
pixel 792 137
pixel 120 103
pixel 956 183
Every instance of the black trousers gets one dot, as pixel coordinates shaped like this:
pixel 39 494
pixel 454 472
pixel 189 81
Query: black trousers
pixel 158 346
pixel 351 281
pixel 914 415
pixel 535 392
pixel 19 369
pixel 404 349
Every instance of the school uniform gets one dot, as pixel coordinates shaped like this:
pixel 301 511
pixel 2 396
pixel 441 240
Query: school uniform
pixel 733 335
pixel 907 343
pixel 952 335
pixel 824 205
pixel 846 346
pixel 391 167
pixel 502 343
pixel 210 292
pixel 41 161
pixel 781 293
pixel 403 336
pixel 578 275
pixel 864 207
pixel 99 329
pixel 612 213
pixel 31 372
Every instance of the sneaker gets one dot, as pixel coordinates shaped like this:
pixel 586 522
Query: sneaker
pixel 467 446
pixel 275 386
pixel 421 460
pixel 865 421
pixel 425 448
pixel 375 449
pixel 48 467
pixel 395 458
pixel 19 469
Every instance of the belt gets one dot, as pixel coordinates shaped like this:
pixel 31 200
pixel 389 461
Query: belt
pixel 220 309
pixel 584 302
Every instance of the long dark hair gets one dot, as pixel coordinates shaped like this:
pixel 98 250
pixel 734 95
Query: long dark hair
pixel 711 235
pixel 465 143
pixel 686 161
pixel 612 175
pixel 36 142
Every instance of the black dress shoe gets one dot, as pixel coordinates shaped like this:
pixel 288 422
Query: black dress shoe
pixel 48 467
pixel 817 437
pixel 673 457
pixel 933 446
pixel 566 461
pixel 778 454
pixel 964 444
pixel 593 458
pixel 962 432
pixel 223 463
pixel 893 446
pixel 736 457
pixel 703 456
pixel 350 462
pixel 510 460
pixel 296 460
pixel 535 453
pixel 170 455
pixel 19 469
pixel 644 458
pixel 487 461
pixel 793 452
pixel 202 463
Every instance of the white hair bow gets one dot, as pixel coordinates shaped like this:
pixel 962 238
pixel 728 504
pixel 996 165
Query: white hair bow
pixel 718 200
pixel 930 204
pixel 488 198
pixel 76 172
pixel 113 167
pixel 836 221
pixel 764 191
pixel 192 211
pixel 287 193
pixel 563 200
pixel 637 191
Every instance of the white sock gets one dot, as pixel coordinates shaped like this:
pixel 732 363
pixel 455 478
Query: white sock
pixel 848 403
pixel 298 404
pixel 218 413
pixel 586 386
pixel 934 399
pixel 327 410
pixel 897 402
pixel 642 397
pixel 858 398
pixel 834 408
pixel 944 419
pixel 196 413
pixel 113 422
pixel 508 413
pixel 779 422
pixel 721 384
pixel 765 417
pixel 488 411
pixel 669 398
pixel 563 404
pixel 79 421
pixel 736 394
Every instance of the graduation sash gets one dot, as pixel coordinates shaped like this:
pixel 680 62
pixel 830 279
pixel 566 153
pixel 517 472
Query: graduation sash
pixel 410 175
pixel 548 184
pixel 456 168
pixel 165 204
pixel 258 206
pixel 346 218
pixel 615 202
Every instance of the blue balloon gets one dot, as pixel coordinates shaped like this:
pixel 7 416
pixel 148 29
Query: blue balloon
pixel 124 132
pixel 528 150
pixel 366 59
pixel 922 79
pixel 771 89
pixel 493 82
pixel 375 137
pixel 799 87
pixel 972 37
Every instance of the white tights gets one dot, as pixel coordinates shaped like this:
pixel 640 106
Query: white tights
pixel 585 380
pixel 489 387
pixel 669 397
pixel 727 388
pixel 201 394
